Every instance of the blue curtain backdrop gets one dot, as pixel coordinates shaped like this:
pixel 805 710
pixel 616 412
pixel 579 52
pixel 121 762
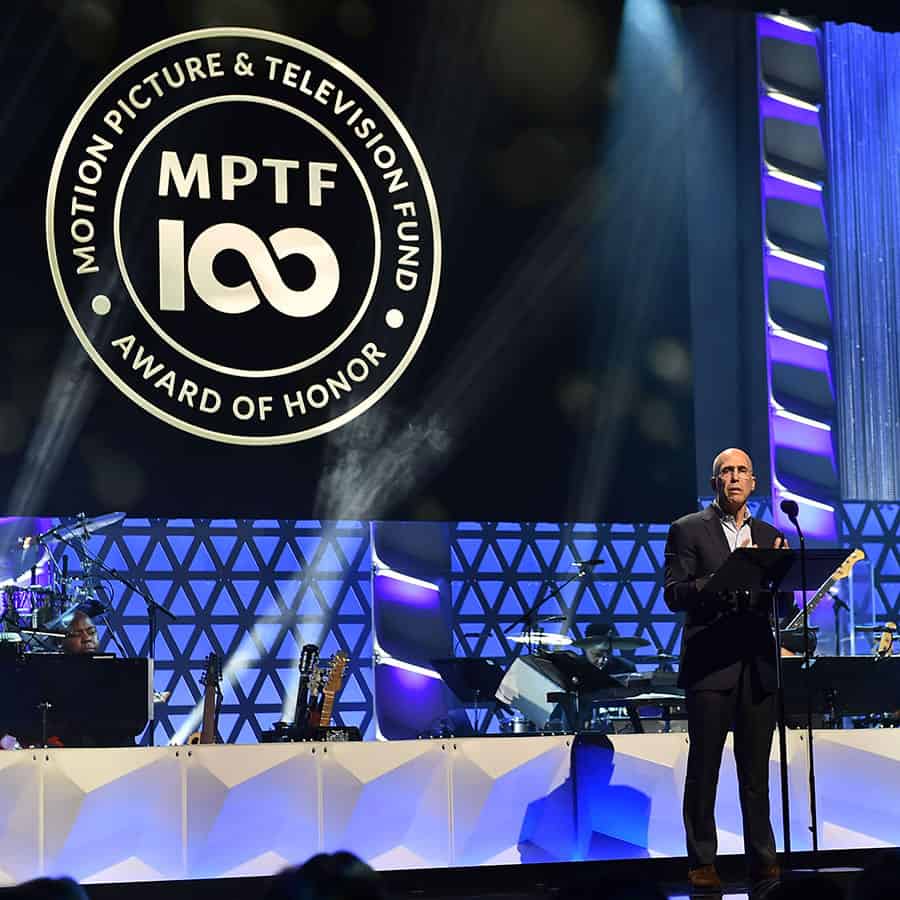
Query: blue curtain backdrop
pixel 863 134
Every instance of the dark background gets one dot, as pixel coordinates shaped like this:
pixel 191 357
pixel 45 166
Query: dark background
pixel 555 380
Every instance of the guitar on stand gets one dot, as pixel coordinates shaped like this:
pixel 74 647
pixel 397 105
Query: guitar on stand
pixel 841 572
pixel 212 699
pixel 333 680
pixel 316 694
pixel 309 667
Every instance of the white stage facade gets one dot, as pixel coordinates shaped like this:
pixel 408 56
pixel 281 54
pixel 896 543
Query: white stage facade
pixel 144 814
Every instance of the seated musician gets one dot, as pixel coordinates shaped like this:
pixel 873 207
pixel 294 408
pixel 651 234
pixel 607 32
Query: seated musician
pixel 599 654
pixel 80 640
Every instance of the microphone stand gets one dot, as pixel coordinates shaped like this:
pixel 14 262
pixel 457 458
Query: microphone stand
pixel 837 605
pixel 84 555
pixel 807 664
pixel 782 731
pixel 529 617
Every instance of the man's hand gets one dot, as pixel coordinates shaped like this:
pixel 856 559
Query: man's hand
pixel 781 543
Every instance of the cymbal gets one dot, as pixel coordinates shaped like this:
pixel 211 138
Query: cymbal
pixel 83 527
pixel 551 618
pixel 542 638
pixel 615 642
pixel 658 658
pixel 874 628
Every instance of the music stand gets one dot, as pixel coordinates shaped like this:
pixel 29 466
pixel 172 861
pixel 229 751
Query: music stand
pixel 755 569
pixel 843 685
pixel 772 570
pixel 100 698
pixel 473 681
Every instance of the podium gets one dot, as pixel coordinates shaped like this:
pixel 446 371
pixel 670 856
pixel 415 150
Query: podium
pixel 754 569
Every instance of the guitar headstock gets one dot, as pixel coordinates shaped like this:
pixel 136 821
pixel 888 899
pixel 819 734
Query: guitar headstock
pixel 213 672
pixel 336 667
pixel 843 570
pixel 309 658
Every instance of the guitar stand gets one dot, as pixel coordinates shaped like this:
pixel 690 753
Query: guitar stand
pixel 44 707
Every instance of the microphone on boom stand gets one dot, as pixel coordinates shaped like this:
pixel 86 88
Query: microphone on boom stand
pixel 792 510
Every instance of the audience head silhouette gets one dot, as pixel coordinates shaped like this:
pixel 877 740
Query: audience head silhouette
pixel 879 879
pixel 335 876
pixel 45 889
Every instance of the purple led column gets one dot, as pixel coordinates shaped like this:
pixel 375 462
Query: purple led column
pixel 795 253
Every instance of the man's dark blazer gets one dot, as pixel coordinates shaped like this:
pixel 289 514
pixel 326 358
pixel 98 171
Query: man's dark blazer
pixel 716 638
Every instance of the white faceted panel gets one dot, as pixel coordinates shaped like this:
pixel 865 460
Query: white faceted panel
pixel 112 810
pixel 143 814
pixel 647 779
pixel 512 800
pixel 19 816
pixel 856 777
pixel 250 809
pixel 388 802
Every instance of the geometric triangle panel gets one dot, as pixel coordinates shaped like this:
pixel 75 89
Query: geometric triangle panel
pixel 256 590
pixel 499 569
pixel 873 527
pixel 233 586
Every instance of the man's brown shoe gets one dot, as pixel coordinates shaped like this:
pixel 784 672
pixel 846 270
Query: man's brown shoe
pixel 705 878
pixel 760 874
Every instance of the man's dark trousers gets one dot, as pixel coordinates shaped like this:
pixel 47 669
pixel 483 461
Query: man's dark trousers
pixel 750 710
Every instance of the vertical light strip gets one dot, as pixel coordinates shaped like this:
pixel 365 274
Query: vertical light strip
pixel 805 353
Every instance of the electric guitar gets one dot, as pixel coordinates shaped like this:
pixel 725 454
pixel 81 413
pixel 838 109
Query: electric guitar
pixel 320 715
pixel 212 694
pixel 841 572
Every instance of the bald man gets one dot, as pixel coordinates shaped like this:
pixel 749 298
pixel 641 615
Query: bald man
pixel 727 670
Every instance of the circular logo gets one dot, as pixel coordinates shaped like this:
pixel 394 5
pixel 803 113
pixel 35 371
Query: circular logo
pixel 243 236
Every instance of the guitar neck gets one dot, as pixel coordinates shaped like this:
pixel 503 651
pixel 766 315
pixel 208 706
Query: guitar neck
pixel 208 728
pixel 301 707
pixel 327 707
pixel 811 604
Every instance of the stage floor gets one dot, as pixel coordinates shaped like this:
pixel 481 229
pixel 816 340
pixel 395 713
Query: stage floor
pixel 165 814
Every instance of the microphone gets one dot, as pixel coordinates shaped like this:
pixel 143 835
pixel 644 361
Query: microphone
pixel 587 562
pixel 836 599
pixel 790 509
pixel 886 642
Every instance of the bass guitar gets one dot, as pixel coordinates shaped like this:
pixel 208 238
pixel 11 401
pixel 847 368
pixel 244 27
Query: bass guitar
pixel 841 572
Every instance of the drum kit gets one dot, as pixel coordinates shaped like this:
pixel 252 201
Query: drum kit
pixel 530 683
pixel 38 594
pixel 536 638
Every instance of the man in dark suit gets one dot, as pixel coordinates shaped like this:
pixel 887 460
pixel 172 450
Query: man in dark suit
pixel 727 670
